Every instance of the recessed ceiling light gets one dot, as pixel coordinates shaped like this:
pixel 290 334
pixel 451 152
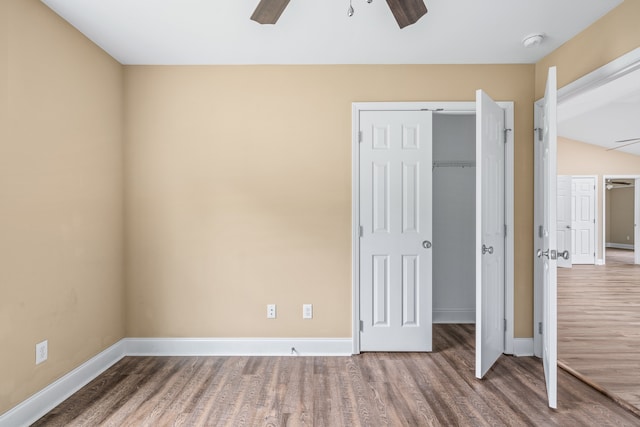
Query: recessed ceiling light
pixel 532 40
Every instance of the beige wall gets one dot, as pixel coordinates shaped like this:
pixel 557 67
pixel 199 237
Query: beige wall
pixel 61 223
pixel 620 217
pixel 239 191
pixel 578 158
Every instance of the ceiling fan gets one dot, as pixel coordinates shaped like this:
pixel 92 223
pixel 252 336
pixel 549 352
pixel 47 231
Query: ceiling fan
pixel 406 12
pixel 611 184
pixel 629 141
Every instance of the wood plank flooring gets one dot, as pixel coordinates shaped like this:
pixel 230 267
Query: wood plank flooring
pixel 599 323
pixel 372 389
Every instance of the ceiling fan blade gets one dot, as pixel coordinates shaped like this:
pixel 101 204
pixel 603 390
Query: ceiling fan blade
pixel 627 140
pixel 268 11
pixel 407 12
pixel 622 146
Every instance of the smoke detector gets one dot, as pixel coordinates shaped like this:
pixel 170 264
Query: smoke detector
pixel 533 40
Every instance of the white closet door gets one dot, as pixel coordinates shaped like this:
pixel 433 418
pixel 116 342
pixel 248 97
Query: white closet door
pixel 490 228
pixel 396 219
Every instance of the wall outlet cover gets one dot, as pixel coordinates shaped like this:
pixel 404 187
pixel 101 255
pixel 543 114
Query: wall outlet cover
pixel 42 351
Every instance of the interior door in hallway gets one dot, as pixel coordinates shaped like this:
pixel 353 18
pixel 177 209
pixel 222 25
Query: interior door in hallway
pixel 564 219
pixel 583 248
pixel 396 220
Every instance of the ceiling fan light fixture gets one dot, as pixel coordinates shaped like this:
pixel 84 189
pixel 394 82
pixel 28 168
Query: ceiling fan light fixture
pixel 533 40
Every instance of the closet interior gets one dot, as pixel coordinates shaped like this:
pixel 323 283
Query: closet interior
pixel 454 222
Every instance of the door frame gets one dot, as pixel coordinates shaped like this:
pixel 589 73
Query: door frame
pixel 615 69
pixel 636 215
pixel 452 108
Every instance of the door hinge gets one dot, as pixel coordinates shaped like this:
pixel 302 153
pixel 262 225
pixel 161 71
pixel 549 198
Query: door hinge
pixel 541 231
pixel 505 134
pixel 540 328
pixel 362 326
pixel 361 231
pixel 505 325
pixel 539 133
pixel 505 230
pixel 359 136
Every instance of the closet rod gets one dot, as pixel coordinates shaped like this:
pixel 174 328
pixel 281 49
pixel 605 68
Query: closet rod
pixel 453 164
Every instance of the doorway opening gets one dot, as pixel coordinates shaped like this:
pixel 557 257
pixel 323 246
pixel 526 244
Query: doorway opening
pixel 449 163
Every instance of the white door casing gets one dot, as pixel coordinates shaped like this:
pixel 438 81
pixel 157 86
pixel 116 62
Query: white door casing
pixel 395 243
pixel 453 108
pixel 545 209
pixel 583 224
pixel 490 232
pixel 636 222
pixel 564 218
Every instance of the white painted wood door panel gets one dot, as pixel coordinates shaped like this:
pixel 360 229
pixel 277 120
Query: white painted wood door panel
pixel 583 225
pixel 564 218
pixel 396 220
pixel 490 227
pixel 546 235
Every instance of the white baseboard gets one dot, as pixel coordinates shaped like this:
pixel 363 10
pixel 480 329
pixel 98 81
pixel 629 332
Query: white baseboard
pixel 523 346
pixel 36 406
pixel 599 261
pixel 238 346
pixel 620 246
pixel 454 316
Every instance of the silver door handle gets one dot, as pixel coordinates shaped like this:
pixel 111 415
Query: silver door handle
pixel 426 244
pixel 486 249
pixel 552 254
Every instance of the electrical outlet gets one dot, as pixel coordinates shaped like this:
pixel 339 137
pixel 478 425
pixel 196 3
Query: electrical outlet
pixel 307 311
pixel 42 351
pixel 271 311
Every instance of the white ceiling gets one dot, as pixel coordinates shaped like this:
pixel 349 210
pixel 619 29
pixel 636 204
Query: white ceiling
pixel 604 115
pixel 320 32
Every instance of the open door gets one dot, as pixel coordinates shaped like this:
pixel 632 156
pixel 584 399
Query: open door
pixel 546 233
pixel 490 232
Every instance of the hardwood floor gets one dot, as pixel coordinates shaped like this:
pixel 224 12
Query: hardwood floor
pixel 599 323
pixel 372 389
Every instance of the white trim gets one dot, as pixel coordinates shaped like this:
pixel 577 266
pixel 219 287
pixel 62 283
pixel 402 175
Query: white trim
pixel 38 405
pixel 237 346
pixel 454 316
pixel 523 347
pixel 615 69
pixel 448 107
pixel 620 246
pixel 619 67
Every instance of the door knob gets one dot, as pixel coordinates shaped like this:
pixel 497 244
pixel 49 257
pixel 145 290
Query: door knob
pixel 486 249
pixel 569 227
pixel 426 244
pixel 552 254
